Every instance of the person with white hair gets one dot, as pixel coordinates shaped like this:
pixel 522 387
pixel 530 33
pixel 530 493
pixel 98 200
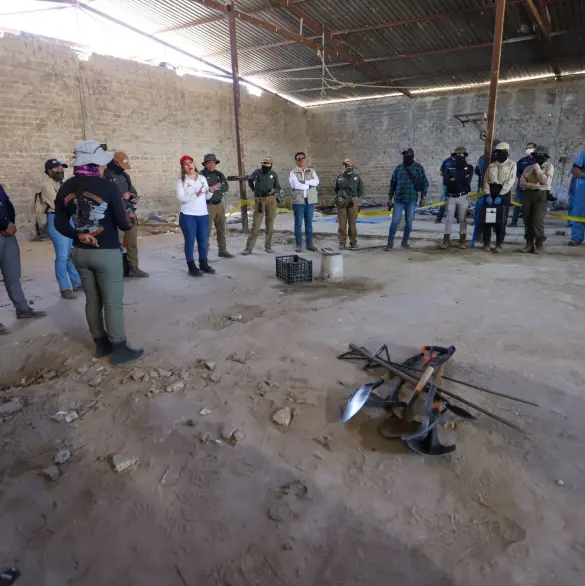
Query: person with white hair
pixel 498 182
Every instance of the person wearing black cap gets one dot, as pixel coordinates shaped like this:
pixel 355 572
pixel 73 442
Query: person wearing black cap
pixel 10 261
pixel 218 186
pixel 65 272
pixel 408 180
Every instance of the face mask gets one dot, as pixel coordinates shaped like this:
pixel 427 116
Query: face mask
pixel 266 168
pixel 540 159
pixel 348 170
pixel 529 151
pixel 58 175
pixel 500 156
pixel 460 162
pixel 408 159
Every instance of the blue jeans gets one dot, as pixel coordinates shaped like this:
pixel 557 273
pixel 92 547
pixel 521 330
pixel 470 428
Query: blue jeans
pixel 578 209
pixel 65 271
pixel 194 228
pixel 516 211
pixel 303 210
pixel 408 209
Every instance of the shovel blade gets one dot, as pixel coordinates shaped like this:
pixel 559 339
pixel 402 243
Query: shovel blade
pixel 427 448
pixel 357 401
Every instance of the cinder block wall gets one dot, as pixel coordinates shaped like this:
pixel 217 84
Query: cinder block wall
pixel 50 100
pixel 375 132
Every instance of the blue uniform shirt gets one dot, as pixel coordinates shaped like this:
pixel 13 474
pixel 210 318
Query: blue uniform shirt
pixel 579 161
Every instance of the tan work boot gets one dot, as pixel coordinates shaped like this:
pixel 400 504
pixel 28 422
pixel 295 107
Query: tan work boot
pixel 462 240
pixel 529 246
pixel 446 242
pixel 68 294
pixel 538 246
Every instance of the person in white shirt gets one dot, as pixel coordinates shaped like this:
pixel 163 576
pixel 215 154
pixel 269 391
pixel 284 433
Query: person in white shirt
pixel 193 193
pixel 303 182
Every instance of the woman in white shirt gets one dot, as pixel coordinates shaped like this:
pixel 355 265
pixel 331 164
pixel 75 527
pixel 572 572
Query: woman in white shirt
pixel 193 193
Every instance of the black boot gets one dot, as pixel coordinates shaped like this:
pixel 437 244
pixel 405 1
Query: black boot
pixel 123 353
pixel 103 347
pixel 193 270
pixel 205 267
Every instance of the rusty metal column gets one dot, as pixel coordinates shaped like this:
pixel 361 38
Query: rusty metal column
pixel 237 107
pixel 495 77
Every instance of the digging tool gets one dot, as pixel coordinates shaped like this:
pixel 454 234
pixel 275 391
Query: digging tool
pixel 410 379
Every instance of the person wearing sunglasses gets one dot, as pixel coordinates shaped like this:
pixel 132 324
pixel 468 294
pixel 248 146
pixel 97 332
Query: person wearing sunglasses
pixel 303 182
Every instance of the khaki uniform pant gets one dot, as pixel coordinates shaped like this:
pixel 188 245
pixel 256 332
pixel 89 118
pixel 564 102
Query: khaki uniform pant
pixel 264 207
pixel 217 218
pixel 131 238
pixel 533 211
pixel 461 205
pixel 348 217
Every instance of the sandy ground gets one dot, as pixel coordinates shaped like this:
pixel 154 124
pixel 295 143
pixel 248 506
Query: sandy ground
pixel 277 507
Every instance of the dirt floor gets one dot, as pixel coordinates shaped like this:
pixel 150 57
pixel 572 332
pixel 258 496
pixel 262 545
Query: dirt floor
pixel 317 502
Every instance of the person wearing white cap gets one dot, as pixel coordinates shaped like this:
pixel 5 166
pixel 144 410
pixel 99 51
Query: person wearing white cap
pixel 498 182
pixel 96 207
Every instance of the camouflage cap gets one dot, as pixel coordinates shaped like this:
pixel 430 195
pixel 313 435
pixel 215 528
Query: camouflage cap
pixel 541 150
pixel 267 160
pixel 349 162
pixel 460 150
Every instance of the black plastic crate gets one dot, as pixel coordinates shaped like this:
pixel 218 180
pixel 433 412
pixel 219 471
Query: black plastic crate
pixel 293 269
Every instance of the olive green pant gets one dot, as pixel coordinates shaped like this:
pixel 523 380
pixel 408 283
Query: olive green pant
pixel 216 213
pixel 348 217
pixel 102 277
pixel 533 211
pixel 264 207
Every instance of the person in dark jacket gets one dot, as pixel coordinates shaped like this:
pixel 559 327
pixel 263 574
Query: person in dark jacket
pixel 10 261
pixel 218 186
pixel 522 164
pixel 116 173
pixel 265 184
pixel 97 209
pixel 457 178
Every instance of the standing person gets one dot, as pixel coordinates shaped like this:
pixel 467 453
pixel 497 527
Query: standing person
pixel 457 179
pixel 536 182
pixel 10 261
pixel 408 180
pixel 218 186
pixel 578 200
pixel 116 173
pixel 520 166
pixel 193 193
pixel 498 182
pixel 97 210
pixel 348 188
pixel 480 168
pixel 65 271
pixel 264 183
pixel 303 182
pixel 443 208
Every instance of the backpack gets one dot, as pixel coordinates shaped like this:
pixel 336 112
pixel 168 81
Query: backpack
pixel 39 212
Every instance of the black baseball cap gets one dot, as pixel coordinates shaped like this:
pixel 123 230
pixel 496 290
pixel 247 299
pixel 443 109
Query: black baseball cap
pixel 408 151
pixel 52 163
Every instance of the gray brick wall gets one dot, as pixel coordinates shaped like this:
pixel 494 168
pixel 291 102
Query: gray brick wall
pixel 149 112
pixel 375 132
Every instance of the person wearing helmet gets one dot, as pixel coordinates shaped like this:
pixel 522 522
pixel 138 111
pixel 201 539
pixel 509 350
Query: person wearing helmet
pixel 348 188
pixel 498 182
pixel 457 179
pixel 536 182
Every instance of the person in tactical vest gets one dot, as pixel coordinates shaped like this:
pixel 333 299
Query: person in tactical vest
pixel 348 188
pixel 218 186
pixel 303 182
pixel 265 185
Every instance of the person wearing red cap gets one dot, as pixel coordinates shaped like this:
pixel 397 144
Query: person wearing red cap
pixel 193 192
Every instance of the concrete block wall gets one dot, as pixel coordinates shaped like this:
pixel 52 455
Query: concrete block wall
pixel 375 132
pixel 50 100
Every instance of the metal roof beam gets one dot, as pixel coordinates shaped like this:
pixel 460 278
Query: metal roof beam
pixel 542 25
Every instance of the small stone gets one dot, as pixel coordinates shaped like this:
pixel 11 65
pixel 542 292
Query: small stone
pixel 50 375
pixel 236 317
pixel 138 374
pixel 209 365
pixel 96 382
pixel 83 369
pixel 62 456
pixel 165 373
pixel 313 308
pixel 214 377
pixel 71 416
pixel 171 476
pixel 449 425
pixel 560 483
pixel 227 432
pixel 175 387
pixel 11 407
pixel 237 358
pixel 184 374
pixel 93 360
pixel 51 473
pixel 283 417
pixel 120 463
pixel 154 374
pixel 190 423
pixel 204 411
pixel 324 440
pixel 204 437
pixel 238 436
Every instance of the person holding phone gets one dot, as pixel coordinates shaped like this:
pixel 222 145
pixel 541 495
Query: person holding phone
pixel 96 207
pixel 193 192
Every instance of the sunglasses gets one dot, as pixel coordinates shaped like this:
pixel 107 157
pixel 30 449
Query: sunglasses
pixel 301 158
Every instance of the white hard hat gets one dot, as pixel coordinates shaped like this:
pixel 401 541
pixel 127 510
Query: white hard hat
pixel 503 146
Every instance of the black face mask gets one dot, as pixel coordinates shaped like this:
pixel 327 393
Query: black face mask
pixel 348 170
pixel 58 175
pixel 460 162
pixel 500 156
pixel 540 159
pixel 266 169
pixel 408 159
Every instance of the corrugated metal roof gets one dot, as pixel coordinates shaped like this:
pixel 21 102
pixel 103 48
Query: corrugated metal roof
pixel 422 45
